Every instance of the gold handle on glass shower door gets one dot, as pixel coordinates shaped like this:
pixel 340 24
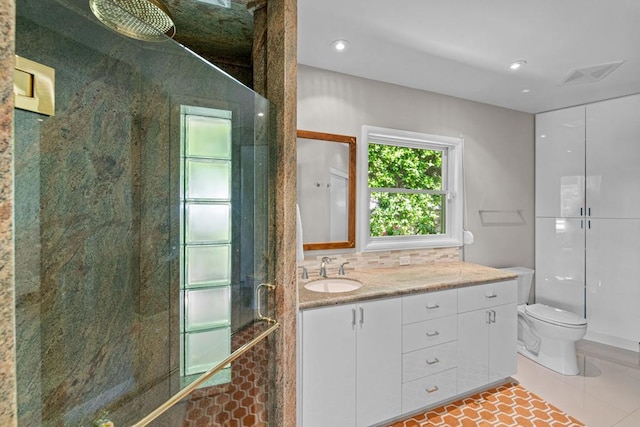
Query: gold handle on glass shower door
pixel 269 286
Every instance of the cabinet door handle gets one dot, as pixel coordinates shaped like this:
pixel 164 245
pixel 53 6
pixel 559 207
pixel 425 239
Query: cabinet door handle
pixel 589 212
pixel 432 389
pixel 493 316
pixel 580 211
pixel 433 362
pixel 353 318
pixel 488 317
pixel 432 307
pixel 492 296
pixel 361 316
pixel 433 334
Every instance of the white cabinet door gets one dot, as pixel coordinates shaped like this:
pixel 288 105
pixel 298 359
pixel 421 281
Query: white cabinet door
pixel 379 361
pixel 487 335
pixel 503 338
pixel 613 156
pixel 487 346
pixel 560 264
pixel 329 367
pixel 613 281
pixel 560 151
pixel 473 349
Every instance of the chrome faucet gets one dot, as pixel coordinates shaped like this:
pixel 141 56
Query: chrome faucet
pixel 323 265
pixel 341 269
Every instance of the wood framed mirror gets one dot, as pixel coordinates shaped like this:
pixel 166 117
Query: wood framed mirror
pixel 326 175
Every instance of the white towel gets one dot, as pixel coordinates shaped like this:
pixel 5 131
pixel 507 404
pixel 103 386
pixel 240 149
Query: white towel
pixel 300 251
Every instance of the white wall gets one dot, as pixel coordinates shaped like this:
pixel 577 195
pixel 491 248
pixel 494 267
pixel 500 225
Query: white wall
pixel 499 150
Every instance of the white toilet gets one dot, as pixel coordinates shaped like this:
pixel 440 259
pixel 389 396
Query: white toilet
pixel 547 335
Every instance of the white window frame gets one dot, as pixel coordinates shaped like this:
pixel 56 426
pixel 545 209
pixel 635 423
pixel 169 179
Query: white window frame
pixel 452 148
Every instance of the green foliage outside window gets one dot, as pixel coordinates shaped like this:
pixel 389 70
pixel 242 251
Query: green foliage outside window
pixel 402 214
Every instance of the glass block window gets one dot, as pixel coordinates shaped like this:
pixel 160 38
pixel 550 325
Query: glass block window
pixel 206 154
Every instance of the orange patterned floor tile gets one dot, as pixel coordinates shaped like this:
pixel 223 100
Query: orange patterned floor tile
pixel 505 405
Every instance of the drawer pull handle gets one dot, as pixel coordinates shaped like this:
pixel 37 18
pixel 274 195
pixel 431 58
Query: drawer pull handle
pixel 433 334
pixel 433 362
pixel 432 389
pixel 433 307
pixel 492 296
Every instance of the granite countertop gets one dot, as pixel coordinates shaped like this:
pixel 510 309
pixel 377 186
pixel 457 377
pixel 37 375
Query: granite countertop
pixel 397 281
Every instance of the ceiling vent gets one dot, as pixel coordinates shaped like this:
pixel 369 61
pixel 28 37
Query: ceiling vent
pixel 590 74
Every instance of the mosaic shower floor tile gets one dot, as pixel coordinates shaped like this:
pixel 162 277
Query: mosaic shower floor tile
pixel 506 405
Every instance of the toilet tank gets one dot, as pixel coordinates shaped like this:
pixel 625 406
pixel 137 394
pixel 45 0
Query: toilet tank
pixel 525 279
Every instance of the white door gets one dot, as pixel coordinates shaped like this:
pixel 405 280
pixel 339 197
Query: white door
pixel 503 338
pixel 329 367
pixel 613 158
pixel 613 282
pixel 473 349
pixel 560 150
pixel 379 361
pixel 559 277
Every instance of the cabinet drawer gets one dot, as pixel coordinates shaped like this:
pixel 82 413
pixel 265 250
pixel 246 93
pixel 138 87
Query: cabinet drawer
pixel 428 361
pixel 429 390
pixel 489 295
pixel 430 305
pixel 429 333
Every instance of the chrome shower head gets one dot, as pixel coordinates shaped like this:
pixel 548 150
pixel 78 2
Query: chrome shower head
pixel 147 20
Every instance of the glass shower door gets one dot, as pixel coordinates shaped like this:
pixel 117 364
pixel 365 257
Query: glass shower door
pixel 138 255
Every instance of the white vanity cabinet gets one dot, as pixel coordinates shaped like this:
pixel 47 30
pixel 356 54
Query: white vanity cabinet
pixel 351 363
pixel 369 362
pixel 429 348
pixel 487 334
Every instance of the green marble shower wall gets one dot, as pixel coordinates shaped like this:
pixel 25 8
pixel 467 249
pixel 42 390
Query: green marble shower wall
pixel 97 217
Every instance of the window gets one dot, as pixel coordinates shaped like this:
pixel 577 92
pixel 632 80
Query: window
pixel 205 240
pixel 410 190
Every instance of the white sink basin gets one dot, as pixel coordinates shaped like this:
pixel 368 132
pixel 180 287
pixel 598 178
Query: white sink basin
pixel 333 285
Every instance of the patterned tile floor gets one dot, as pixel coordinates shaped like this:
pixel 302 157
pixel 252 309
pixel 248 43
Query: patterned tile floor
pixel 243 401
pixel 507 405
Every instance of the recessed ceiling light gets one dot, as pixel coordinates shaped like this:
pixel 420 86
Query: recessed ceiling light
pixel 261 114
pixel 515 65
pixel 526 90
pixel 340 45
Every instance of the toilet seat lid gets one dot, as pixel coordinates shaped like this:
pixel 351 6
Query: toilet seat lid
pixel 554 315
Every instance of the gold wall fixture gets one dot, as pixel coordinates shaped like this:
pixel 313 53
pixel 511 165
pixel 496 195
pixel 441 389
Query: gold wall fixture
pixel 34 86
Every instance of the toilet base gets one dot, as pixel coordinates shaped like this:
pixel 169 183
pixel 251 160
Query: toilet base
pixel 561 358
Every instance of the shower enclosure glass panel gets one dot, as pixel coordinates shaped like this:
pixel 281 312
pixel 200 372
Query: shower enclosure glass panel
pixel 138 252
